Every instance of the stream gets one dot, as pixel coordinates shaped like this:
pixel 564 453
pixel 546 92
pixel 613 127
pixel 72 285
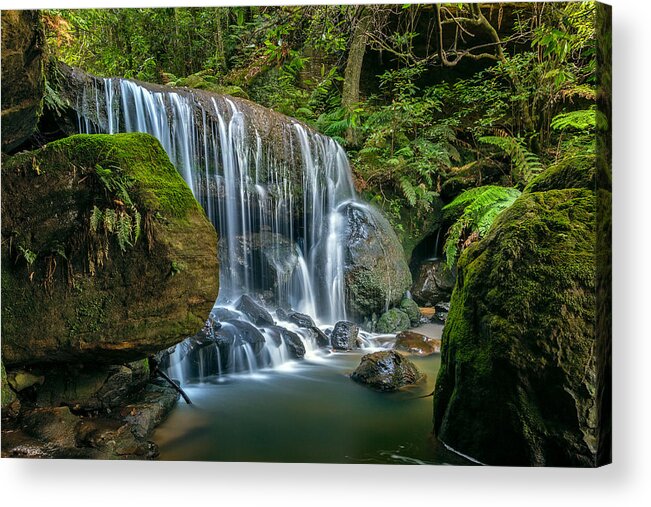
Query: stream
pixel 305 411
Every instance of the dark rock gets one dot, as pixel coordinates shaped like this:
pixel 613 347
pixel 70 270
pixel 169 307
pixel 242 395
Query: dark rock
pixel 221 314
pixel 393 321
pixel 376 271
pixel 150 408
pixel 442 310
pixel 244 331
pixel 518 363
pixel 434 283
pixel 282 314
pixel 254 311
pixel 55 425
pixel 23 79
pixel 322 339
pixel 344 335
pixel 91 387
pixel 386 371
pixel 416 343
pixel 292 340
pixel 302 320
pixel 410 307
pixel 125 305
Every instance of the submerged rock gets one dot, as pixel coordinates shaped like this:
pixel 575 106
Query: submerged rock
pixel 254 311
pixel 417 344
pixel 76 290
pixel 386 371
pixel 344 335
pixel 393 321
pixel 434 283
pixel 517 383
pixel 376 271
pixel 23 79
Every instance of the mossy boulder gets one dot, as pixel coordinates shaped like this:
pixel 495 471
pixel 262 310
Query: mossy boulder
pixel 107 256
pixel 573 172
pixel 376 273
pixel 393 321
pixel 517 378
pixel 23 79
pixel 412 310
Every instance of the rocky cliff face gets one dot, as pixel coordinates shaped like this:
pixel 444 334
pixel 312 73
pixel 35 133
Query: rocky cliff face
pixel 107 257
pixel 23 81
pixel 517 384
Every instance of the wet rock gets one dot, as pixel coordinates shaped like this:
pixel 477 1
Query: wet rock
pixel 254 311
pixel 376 272
pixel 302 320
pixel 322 340
pixel 113 438
pixel 434 283
pixel 152 406
pixel 386 371
pixel 393 321
pixel 126 305
pixel 410 307
pixel 417 344
pixel 23 80
pixel 292 340
pixel 442 310
pixel 344 335
pixel 221 314
pixel 244 331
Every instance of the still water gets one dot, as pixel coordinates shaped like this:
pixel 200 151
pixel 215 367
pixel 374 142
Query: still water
pixel 307 411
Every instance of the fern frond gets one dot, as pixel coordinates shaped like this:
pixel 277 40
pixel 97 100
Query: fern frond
pixel 408 191
pixel 124 229
pixel 584 119
pixel 110 220
pixel 96 219
pixel 526 164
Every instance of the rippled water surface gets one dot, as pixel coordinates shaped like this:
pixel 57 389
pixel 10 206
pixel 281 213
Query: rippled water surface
pixel 307 411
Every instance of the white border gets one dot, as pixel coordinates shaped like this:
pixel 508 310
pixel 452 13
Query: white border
pixel 625 483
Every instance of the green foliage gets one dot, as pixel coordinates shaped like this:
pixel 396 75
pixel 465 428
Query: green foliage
pixel 525 164
pixel 473 212
pixel 28 255
pixel 582 120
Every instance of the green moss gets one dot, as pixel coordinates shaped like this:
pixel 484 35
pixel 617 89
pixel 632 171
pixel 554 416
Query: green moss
pixel 393 321
pixel 7 394
pixel 574 172
pixel 518 344
pixel 138 156
pixel 410 307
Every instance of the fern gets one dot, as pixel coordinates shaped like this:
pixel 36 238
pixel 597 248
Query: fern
pixel 582 120
pixel 408 191
pixel 28 255
pixel 526 164
pixel 96 219
pixel 124 230
pixel 474 211
pixel 110 220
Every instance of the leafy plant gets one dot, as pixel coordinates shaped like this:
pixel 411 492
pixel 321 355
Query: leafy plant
pixel 525 164
pixel 473 212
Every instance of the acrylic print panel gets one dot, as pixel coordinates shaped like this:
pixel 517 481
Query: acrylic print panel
pixel 340 234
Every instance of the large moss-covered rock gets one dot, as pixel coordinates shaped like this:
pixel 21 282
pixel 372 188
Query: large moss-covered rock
pixel 107 256
pixel 386 370
pixel 376 272
pixel 517 378
pixel 23 81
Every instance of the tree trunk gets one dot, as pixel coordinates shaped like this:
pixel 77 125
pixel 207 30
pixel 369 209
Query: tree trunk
pixel 353 72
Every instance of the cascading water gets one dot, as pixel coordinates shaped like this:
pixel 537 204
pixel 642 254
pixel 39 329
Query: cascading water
pixel 279 219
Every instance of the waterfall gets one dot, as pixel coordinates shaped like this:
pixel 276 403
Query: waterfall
pixel 276 206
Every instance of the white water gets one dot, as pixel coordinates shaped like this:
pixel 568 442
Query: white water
pixel 268 243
